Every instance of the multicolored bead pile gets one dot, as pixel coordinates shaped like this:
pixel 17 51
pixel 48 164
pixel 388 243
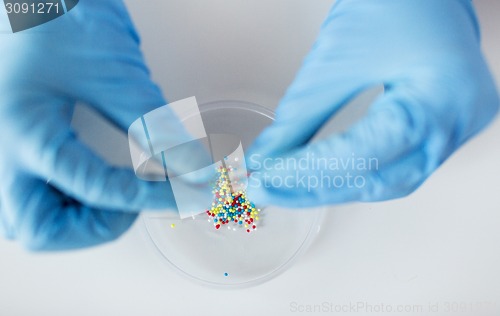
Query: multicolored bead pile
pixel 231 207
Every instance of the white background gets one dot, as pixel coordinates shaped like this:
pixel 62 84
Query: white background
pixel 439 245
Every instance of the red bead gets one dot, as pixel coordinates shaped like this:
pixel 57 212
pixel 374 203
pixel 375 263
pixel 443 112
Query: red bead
pixel 217 226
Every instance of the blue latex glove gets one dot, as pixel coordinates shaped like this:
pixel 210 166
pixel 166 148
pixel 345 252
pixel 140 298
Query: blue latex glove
pixel 438 93
pixel 90 55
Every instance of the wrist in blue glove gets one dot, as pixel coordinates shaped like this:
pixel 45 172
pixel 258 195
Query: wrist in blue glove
pixel 89 55
pixel 438 93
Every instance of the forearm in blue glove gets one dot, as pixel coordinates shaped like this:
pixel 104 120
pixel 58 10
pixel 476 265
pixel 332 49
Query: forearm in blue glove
pixel 89 55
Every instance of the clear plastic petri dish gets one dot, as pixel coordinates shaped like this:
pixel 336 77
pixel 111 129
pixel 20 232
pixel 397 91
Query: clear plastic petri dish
pixel 230 257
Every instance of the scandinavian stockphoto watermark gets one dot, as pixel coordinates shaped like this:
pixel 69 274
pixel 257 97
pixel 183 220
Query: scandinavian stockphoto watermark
pixel 311 172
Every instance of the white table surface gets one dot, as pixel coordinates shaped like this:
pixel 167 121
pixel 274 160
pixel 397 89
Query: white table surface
pixel 439 245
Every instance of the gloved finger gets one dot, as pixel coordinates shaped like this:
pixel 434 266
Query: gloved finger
pixel 74 169
pixel 395 180
pixel 51 150
pixel 46 219
pixel 311 100
pixel 394 128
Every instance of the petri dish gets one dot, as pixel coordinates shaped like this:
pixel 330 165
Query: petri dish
pixel 230 257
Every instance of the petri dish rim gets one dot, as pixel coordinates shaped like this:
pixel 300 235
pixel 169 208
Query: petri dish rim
pixel 304 246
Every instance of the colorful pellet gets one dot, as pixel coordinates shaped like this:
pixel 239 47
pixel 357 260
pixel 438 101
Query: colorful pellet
pixel 231 207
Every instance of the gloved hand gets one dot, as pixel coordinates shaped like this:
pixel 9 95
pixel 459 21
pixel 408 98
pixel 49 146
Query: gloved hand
pixel 438 93
pixel 90 55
